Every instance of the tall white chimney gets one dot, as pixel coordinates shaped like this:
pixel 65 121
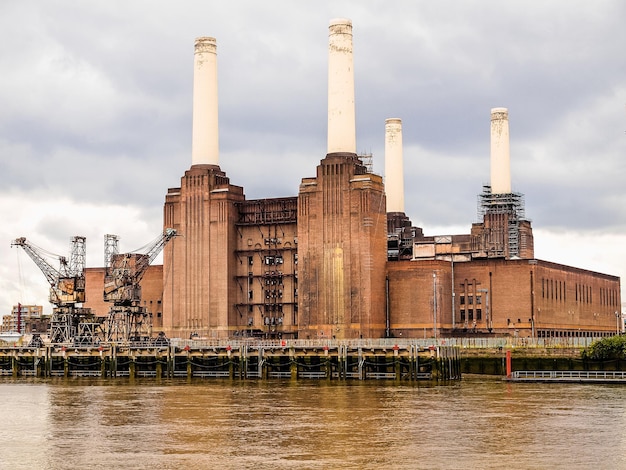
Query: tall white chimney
pixel 341 115
pixel 394 174
pixel 204 145
pixel 500 153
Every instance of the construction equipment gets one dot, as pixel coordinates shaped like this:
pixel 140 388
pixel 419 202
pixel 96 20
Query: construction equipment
pixel 128 320
pixel 69 322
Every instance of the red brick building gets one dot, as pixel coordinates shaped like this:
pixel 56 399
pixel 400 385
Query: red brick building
pixel 331 262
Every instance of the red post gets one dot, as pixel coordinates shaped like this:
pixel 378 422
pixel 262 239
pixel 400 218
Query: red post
pixel 508 364
pixel 19 318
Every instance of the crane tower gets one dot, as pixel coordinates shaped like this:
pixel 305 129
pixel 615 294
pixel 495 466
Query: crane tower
pixel 128 320
pixel 69 321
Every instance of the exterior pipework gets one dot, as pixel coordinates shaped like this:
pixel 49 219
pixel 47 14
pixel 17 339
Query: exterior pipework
pixel 205 148
pixel 341 113
pixel 500 152
pixel 394 174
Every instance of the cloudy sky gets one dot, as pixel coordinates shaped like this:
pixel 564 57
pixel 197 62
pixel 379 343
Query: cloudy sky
pixel 95 114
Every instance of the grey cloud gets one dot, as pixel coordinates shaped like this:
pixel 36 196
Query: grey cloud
pixel 98 99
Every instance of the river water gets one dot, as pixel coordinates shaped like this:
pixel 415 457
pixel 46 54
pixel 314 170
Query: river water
pixel 479 422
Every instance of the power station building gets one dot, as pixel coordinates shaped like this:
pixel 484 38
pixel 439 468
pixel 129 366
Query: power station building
pixel 341 259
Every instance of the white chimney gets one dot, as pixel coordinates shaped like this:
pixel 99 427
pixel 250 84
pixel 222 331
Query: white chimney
pixel 394 175
pixel 204 145
pixel 500 153
pixel 341 115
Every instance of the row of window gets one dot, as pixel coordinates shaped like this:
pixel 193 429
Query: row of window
pixel 553 290
pixel 272 260
pixel 272 294
pixel 273 278
pixel 468 315
pixel 471 299
pixel 273 320
pixel 608 297
pixel 584 294
pixel 557 290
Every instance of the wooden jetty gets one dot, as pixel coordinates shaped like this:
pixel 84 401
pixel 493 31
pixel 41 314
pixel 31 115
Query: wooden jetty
pixel 565 376
pixel 239 359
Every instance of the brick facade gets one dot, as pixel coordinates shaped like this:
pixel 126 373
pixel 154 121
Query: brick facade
pixel 151 293
pixel 199 288
pixel 499 296
pixel 342 252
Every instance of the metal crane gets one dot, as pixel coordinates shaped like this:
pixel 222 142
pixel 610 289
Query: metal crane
pixel 67 289
pixel 128 320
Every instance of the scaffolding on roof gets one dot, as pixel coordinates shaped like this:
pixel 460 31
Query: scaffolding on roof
pixel 368 161
pixel 510 205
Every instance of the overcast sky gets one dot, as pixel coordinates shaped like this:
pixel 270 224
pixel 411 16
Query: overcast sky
pixel 95 114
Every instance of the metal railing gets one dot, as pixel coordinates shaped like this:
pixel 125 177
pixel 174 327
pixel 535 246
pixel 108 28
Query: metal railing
pixel 574 375
pixel 254 343
pixel 478 343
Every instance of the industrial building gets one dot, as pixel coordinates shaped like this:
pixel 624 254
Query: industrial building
pixel 341 259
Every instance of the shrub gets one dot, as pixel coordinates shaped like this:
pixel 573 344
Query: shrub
pixel 606 349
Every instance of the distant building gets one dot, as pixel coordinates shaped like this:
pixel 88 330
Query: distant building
pixel 25 319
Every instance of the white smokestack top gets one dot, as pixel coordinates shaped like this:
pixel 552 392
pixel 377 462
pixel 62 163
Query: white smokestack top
pixel 500 153
pixel 204 145
pixel 341 115
pixel 394 173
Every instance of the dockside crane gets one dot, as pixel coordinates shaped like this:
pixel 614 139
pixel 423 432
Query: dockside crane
pixel 128 320
pixel 69 321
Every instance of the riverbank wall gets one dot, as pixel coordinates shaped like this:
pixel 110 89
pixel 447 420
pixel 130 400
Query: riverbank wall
pixel 391 359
